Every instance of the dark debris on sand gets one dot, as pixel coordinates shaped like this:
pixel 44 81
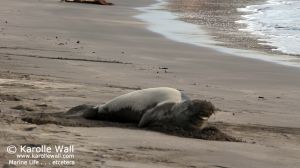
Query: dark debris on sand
pixel 208 133
pixel 23 108
pixel 7 97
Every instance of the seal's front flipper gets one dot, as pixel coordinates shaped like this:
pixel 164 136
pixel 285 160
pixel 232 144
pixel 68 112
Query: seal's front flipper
pixel 84 110
pixel 157 115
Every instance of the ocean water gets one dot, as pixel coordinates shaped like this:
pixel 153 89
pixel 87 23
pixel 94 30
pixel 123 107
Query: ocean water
pixel 170 25
pixel 276 23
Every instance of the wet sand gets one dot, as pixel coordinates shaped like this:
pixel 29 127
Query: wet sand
pixel 54 56
pixel 219 18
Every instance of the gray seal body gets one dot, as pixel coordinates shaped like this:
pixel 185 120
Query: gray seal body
pixel 153 106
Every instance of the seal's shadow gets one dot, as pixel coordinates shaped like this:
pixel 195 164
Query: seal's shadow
pixel 74 118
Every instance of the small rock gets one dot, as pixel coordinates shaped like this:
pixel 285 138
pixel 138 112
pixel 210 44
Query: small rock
pixel 21 107
pixel 42 105
pixel 8 166
pixel 29 128
pixel 9 98
pixel 61 44
pixel 164 68
pixel 32 145
pixel 78 42
pixel 26 76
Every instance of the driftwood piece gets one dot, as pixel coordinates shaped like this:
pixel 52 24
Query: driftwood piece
pixel 99 2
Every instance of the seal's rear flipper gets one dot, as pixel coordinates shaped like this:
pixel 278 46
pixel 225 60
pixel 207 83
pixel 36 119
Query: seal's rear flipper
pixel 84 110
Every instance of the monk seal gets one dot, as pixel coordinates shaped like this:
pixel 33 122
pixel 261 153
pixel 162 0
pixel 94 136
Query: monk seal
pixel 152 106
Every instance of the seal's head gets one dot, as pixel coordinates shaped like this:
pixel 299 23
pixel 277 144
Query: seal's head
pixel 200 111
pixel 192 114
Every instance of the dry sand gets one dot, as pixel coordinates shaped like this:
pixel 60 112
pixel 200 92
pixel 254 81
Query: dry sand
pixel 55 55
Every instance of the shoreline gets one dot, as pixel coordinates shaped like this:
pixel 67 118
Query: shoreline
pixel 54 56
pixel 199 34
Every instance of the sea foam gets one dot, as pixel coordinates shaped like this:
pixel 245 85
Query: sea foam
pixel 276 23
pixel 169 25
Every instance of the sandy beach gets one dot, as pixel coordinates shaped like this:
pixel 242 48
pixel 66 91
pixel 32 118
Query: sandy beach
pixel 219 19
pixel 227 24
pixel 54 56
